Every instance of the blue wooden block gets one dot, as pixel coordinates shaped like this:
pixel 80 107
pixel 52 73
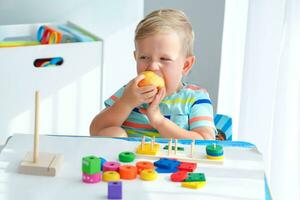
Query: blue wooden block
pixel 102 162
pixel 170 170
pixel 115 190
pixel 166 163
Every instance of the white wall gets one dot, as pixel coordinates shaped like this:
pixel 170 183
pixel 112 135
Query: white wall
pixel 206 17
pixel 113 21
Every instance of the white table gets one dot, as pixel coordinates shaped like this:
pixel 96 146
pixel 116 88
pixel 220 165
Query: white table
pixel 240 177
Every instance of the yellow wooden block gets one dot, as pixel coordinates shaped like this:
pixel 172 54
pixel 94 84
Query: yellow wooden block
pixel 148 175
pixel 147 150
pixel 215 157
pixel 47 165
pixel 109 176
pixel 193 185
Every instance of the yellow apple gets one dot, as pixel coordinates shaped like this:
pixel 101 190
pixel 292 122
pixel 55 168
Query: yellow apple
pixel 151 79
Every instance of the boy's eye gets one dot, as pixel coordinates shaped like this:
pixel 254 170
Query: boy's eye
pixel 165 59
pixel 143 57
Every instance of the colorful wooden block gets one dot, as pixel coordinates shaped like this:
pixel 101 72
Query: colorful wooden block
pixel 148 149
pixel 141 165
pixel 111 166
pixel 128 172
pixel 162 170
pixel 214 157
pixel 214 150
pixel 148 175
pixel 187 166
pixel 91 165
pixel 195 177
pixel 179 176
pixel 114 190
pixel 91 178
pixel 103 160
pixel 126 156
pixel 173 148
pixel 109 176
pixel 193 185
pixel 166 163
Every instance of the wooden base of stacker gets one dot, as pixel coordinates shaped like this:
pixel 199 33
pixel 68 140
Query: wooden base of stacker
pixel 47 165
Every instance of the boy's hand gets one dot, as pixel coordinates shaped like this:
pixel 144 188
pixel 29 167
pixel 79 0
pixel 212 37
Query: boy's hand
pixel 153 112
pixel 134 95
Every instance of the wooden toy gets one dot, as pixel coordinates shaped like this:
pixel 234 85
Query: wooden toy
pixel 111 166
pixel 128 172
pixel 192 156
pixel 187 166
pixel 141 165
pixel 111 176
pixel 115 190
pixel 40 163
pixel 148 148
pixel 173 148
pixel 102 161
pixel 170 147
pixel 163 170
pixel 126 156
pixel 166 163
pixel 195 177
pixel 192 148
pixel 193 185
pixel 91 165
pixel 179 176
pixel 91 178
pixel 148 175
pixel 214 152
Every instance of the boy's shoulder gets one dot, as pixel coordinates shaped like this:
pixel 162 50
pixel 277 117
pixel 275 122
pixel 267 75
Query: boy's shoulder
pixel 193 89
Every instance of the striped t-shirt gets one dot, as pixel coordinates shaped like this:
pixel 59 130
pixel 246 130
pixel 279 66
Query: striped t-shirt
pixel 189 108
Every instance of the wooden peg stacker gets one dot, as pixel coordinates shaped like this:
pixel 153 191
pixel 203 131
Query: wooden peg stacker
pixel 40 163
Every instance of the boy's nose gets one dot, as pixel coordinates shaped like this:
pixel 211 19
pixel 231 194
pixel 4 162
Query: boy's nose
pixel 153 66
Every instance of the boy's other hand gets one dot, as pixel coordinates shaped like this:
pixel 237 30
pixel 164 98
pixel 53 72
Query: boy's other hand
pixel 134 95
pixel 153 112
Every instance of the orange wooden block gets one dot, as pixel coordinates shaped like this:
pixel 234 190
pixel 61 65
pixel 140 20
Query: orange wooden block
pixel 128 172
pixel 144 165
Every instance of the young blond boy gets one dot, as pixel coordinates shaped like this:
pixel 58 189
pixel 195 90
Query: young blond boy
pixel 164 45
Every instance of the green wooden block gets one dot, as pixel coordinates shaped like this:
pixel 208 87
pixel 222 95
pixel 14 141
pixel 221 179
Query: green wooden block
pixel 195 177
pixel 214 149
pixel 91 164
pixel 173 148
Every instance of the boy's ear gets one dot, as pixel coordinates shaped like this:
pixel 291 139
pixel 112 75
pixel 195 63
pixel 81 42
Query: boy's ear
pixel 134 54
pixel 188 64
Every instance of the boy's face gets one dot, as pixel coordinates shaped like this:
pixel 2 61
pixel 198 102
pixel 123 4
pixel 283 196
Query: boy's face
pixel 163 54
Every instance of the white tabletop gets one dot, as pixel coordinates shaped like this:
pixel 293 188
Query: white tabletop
pixel 240 177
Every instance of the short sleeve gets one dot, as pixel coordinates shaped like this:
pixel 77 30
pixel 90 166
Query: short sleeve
pixel 111 100
pixel 201 111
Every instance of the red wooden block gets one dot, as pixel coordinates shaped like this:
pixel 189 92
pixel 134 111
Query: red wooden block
pixel 186 166
pixel 179 176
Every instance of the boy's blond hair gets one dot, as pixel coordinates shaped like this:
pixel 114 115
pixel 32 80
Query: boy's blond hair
pixel 166 20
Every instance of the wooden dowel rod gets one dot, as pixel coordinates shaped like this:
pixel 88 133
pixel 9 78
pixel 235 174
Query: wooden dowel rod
pixel 36 127
pixel 175 147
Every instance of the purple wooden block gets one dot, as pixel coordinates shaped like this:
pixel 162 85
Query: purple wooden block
pixel 115 190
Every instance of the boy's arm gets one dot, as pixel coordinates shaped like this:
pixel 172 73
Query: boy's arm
pixel 114 115
pixel 118 112
pixel 169 129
